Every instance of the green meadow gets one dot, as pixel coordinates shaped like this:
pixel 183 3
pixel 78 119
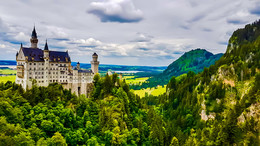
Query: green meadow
pixel 7 71
pixel 151 91
pixel 11 75
pixel 155 91
pixel 7 78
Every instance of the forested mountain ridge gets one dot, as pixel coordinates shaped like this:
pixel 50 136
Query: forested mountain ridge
pixel 194 60
pixel 219 106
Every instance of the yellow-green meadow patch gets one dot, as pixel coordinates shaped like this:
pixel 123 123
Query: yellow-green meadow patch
pixel 7 78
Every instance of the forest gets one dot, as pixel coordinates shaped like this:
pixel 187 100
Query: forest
pixel 218 106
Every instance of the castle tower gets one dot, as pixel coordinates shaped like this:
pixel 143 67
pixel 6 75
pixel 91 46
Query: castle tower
pixel 120 76
pixel 34 40
pixel 94 63
pixel 46 57
pixel 78 66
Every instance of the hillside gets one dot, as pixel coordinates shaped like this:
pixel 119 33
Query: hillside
pixel 218 106
pixel 194 60
pixel 221 105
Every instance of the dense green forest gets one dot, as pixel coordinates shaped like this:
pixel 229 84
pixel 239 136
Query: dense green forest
pixel 194 60
pixel 218 106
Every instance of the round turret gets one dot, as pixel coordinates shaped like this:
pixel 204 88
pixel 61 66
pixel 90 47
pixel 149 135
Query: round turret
pixel 78 66
pixel 94 63
pixel 95 57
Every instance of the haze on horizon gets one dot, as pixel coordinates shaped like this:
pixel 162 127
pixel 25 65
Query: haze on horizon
pixel 124 32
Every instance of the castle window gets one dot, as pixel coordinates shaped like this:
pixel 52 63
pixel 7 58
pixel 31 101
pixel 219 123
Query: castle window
pixel 30 77
pixel 34 63
pixel 30 63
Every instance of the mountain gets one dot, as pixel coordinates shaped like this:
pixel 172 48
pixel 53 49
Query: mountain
pixel 221 104
pixel 194 60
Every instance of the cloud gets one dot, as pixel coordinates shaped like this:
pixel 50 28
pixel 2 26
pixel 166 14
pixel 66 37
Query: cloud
pixel 122 11
pixel 90 42
pixel 236 21
pixel 207 29
pixel 167 30
pixel 144 49
pixel 256 9
pixel 197 18
pixel 142 37
pixel 60 39
pixel 21 37
pixel 2 46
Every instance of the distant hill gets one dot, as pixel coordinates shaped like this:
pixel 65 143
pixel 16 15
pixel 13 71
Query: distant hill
pixel 105 67
pixel 7 62
pixel 194 60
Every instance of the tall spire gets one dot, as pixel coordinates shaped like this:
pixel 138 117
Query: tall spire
pixel 46 46
pixel 34 34
pixel 34 40
pixel 21 45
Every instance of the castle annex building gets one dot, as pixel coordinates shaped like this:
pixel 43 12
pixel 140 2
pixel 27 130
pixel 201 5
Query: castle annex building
pixel 42 67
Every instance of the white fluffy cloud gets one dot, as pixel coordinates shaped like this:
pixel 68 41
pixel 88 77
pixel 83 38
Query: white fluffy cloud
pixel 21 37
pixel 90 42
pixel 122 11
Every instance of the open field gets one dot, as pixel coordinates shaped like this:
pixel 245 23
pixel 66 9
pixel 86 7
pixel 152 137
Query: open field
pixel 132 80
pixel 7 71
pixel 7 78
pixel 155 92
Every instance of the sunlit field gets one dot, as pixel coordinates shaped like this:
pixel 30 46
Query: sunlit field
pixel 153 91
pixel 136 80
pixel 7 78
pixel 7 71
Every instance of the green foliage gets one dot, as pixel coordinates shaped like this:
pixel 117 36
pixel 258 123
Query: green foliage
pixel 197 109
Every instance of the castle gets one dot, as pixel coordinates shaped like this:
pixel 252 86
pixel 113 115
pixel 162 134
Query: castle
pixel 43 67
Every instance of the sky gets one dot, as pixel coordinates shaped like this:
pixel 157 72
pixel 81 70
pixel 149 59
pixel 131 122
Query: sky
pixel 124 32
